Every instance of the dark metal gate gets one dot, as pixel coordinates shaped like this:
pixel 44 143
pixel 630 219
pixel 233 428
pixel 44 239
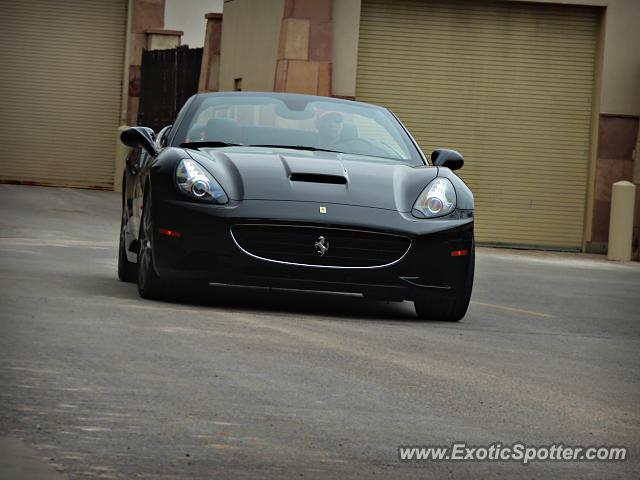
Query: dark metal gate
pixel 168 78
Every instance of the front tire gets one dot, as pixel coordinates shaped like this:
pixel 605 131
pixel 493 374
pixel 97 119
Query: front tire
pixel 127 271
pixel 448 308
pixel 149 284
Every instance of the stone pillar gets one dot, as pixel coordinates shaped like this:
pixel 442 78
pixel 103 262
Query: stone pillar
pixel 623 197
pixel 146 15
pixel 210 68
pixel 143 15
pixel 305 49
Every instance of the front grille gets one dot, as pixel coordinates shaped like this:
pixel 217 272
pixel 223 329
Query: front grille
pixel 297 245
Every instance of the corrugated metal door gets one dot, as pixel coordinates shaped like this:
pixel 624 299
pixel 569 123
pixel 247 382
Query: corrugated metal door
pixel 60 90
pixel 510 85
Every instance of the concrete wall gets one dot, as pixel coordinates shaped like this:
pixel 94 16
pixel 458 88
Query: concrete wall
pixel 346 28
pixel 617 152
pixel 250 35
pixel 621 69
pixel 188 16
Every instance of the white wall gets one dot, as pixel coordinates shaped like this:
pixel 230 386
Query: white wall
pixel 249 49
pixel 621 70
pixel 188 16
pixel 346 27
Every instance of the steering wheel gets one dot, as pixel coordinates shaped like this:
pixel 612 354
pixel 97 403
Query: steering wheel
pixel 359 145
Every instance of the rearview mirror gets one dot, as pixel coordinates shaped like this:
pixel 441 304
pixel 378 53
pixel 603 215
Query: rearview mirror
pixel 447 158
pixel 139 137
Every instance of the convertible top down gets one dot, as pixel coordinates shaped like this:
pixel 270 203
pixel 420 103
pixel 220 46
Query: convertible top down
pixel 296 191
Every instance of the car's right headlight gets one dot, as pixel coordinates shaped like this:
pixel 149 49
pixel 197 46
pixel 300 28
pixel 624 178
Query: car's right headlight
pixel 194 181
pixel 436 200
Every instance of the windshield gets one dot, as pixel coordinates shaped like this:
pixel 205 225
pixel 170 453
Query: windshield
pixel 297 121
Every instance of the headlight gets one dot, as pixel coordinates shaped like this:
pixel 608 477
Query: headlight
pixel 436 200
pixel 193 180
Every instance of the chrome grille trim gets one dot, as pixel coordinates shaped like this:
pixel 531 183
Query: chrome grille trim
pixel 282 262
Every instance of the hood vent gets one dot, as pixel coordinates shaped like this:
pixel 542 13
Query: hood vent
pixel 318 178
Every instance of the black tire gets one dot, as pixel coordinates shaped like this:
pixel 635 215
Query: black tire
pixel 149 284
pixel 127 271
pixel 447 307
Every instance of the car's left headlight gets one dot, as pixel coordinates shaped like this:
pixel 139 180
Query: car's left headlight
pixel 194 181
pixel 436 200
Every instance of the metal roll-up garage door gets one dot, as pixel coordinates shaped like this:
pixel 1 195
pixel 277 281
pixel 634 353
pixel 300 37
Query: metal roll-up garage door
pixel 510 85
pixel 60 90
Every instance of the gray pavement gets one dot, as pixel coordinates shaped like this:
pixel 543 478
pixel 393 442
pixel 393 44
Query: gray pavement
pixel 98 383
pixel 19 461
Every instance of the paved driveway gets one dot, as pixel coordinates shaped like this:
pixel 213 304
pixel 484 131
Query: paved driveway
pixel 99 383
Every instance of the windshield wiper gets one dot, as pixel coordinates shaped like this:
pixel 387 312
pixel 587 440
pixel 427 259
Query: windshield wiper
pixel 297 147
pixel 197 145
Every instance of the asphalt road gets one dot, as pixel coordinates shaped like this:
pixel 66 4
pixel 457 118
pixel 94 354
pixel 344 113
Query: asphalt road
pixel 98 383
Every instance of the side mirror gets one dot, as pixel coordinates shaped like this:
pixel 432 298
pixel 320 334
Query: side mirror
pixel 139 137
pixel 447 158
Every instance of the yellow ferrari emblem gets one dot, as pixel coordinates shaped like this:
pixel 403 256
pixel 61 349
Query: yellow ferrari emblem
pixel 323 209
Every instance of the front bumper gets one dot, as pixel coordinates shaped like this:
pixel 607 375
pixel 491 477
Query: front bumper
pixel 206 250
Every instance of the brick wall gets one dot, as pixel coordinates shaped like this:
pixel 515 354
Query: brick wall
pixel 617 140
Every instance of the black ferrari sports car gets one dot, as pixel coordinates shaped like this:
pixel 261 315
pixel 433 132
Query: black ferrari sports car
pixel 299 192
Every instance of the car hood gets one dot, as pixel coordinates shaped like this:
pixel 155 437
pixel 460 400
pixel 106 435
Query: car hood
pixel 321 177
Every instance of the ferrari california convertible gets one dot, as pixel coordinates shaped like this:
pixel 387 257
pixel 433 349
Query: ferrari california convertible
pixel 297 192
